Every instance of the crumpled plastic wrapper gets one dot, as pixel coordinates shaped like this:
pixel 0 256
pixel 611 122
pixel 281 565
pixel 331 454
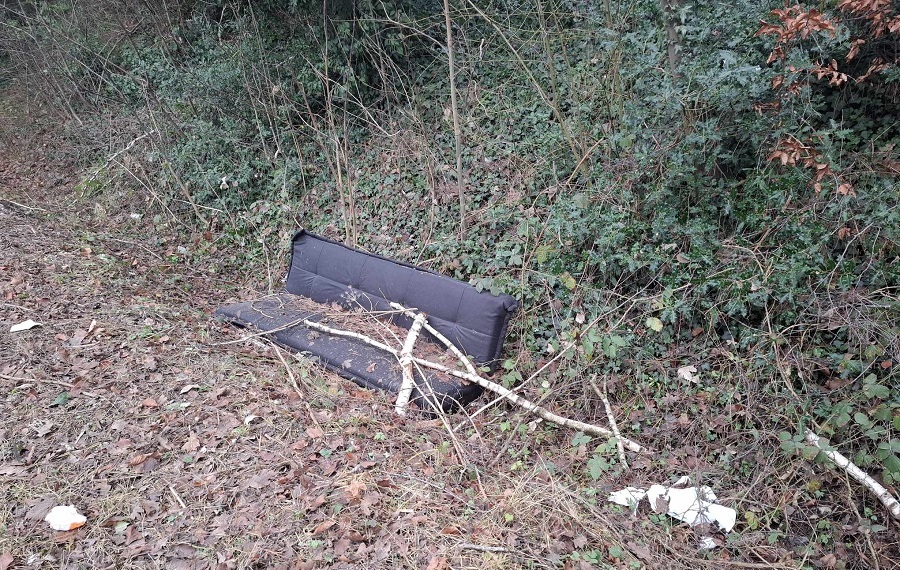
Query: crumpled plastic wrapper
pixel 693 505
pixel 65 517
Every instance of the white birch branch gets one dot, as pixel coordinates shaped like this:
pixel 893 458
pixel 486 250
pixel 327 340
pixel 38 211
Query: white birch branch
pixel 406 360
pixel 436 334
pixel 529 405
pixel 885 496
pixel 488 385
pixel 351 334
pixel 612 420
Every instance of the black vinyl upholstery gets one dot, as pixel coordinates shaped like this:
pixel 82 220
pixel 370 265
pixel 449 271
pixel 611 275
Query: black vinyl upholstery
pixel 329 272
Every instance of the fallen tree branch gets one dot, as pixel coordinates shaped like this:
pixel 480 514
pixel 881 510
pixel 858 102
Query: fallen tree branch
pixel 530 406
pixel 612 420
pixel 406 361
pixel 885 496
pixel 486 384
pixel 444 340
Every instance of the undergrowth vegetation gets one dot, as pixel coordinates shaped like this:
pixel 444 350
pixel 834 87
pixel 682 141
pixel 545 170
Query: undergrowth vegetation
pixel 665 185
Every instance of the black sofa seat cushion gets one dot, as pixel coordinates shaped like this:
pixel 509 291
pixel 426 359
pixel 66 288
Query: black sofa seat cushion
pixel 329 272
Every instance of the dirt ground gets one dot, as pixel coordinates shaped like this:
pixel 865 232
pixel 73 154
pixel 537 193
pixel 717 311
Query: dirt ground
pixel 184 452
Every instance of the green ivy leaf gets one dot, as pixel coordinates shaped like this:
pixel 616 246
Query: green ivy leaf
pixel 892 464
pixel 654 324
pixel 588 346
pixel 809 452
pixel 879 391
pixel 862 419
pixel 597 466
pixel 60 400
pixel 581 438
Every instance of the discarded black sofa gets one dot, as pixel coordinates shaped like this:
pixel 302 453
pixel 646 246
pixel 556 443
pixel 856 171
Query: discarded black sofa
pixel 329 272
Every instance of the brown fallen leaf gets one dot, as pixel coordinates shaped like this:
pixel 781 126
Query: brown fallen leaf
pixel 322 527
pixel 341 546
pixel 145 462
pixel 192 444
pixel 6 560
pixel 355 488
pixel 355 536
pixel 315 432
pixel 39 510
pixel 261 479
pixel 640 550
pixel 150 403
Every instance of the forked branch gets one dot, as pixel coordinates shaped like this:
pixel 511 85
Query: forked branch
pixel 477 379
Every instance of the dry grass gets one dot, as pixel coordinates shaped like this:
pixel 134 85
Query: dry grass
pixel 184 454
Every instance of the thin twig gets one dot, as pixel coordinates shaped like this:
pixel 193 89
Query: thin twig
pixel 177 498
pixel 49 381
pixel 457 130
pixel 288 369
pixel 150 251
pixel 481 547
pixel 23 206
pixel 114 156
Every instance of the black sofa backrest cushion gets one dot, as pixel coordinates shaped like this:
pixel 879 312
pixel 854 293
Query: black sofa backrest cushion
pixel 327 271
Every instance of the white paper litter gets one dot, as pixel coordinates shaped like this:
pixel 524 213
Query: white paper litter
pixel 693 505
pixel 65 517
pixel 24 326
pixel 627 497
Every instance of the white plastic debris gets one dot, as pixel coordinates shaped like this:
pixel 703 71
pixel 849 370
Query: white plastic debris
pixel 65 517
pixel 627 497
pixel 24 326
pixel 693 505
